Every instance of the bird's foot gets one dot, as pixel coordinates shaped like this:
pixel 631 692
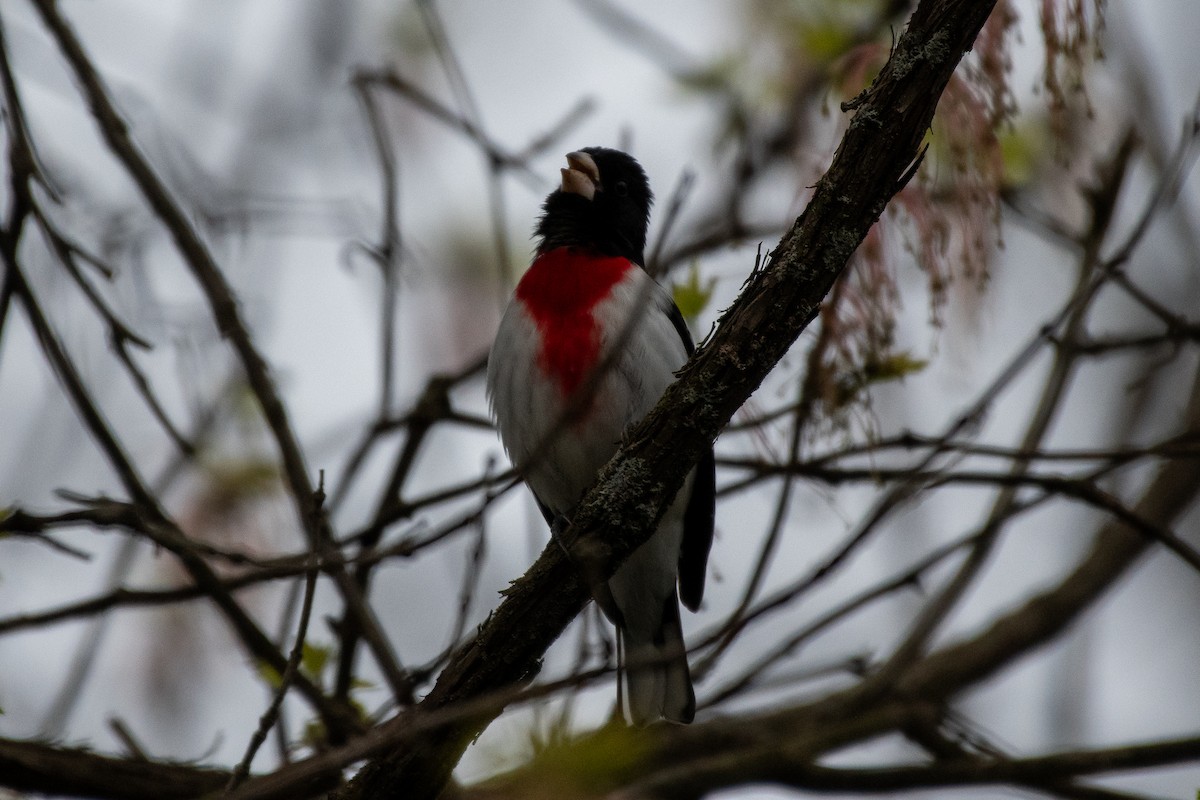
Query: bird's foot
pixel 590 566
pixel 558 529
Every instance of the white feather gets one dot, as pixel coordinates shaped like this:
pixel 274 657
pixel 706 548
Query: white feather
pixel 529 406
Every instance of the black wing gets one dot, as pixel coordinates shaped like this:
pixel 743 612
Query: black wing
pixel 701 508
pixel 676 317
pixel 550 516
pixel 698 532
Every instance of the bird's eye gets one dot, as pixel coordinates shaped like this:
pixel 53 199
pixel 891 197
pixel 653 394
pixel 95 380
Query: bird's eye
pixel 622 188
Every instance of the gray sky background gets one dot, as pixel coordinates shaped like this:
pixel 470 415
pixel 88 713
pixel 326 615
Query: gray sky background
pixel 246 106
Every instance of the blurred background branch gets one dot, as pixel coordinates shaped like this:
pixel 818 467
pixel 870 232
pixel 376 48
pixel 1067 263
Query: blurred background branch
pixel 956 532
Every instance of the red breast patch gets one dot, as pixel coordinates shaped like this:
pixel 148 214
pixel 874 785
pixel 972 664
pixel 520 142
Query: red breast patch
pixel 560 291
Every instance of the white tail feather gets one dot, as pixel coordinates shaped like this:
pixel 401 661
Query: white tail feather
pixel 658 684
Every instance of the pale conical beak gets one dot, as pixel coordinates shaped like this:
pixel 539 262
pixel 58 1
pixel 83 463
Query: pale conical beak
pixel 580 176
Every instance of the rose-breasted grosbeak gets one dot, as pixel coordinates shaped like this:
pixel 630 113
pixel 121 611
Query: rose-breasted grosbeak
pixel 586 318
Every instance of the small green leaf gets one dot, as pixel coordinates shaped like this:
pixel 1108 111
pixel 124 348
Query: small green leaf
pixel 314 733
pixel 825 40
pixel 313 659
pixel 715 76
pixel 571 769
pixel 242 478
pixel 363 715
pixel 1022 148
pixel 692 297
pixel 880 368
pixel 893 367
pixel 270 676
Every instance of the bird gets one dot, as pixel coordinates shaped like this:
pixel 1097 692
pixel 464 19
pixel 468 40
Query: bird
pixel 586 347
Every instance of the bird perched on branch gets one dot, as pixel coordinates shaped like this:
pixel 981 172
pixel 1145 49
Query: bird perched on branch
pixel 586 347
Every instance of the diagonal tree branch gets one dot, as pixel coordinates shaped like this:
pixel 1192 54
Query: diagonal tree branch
pixel 875 159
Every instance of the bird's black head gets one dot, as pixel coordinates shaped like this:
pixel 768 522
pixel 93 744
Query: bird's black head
pixel 602 205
